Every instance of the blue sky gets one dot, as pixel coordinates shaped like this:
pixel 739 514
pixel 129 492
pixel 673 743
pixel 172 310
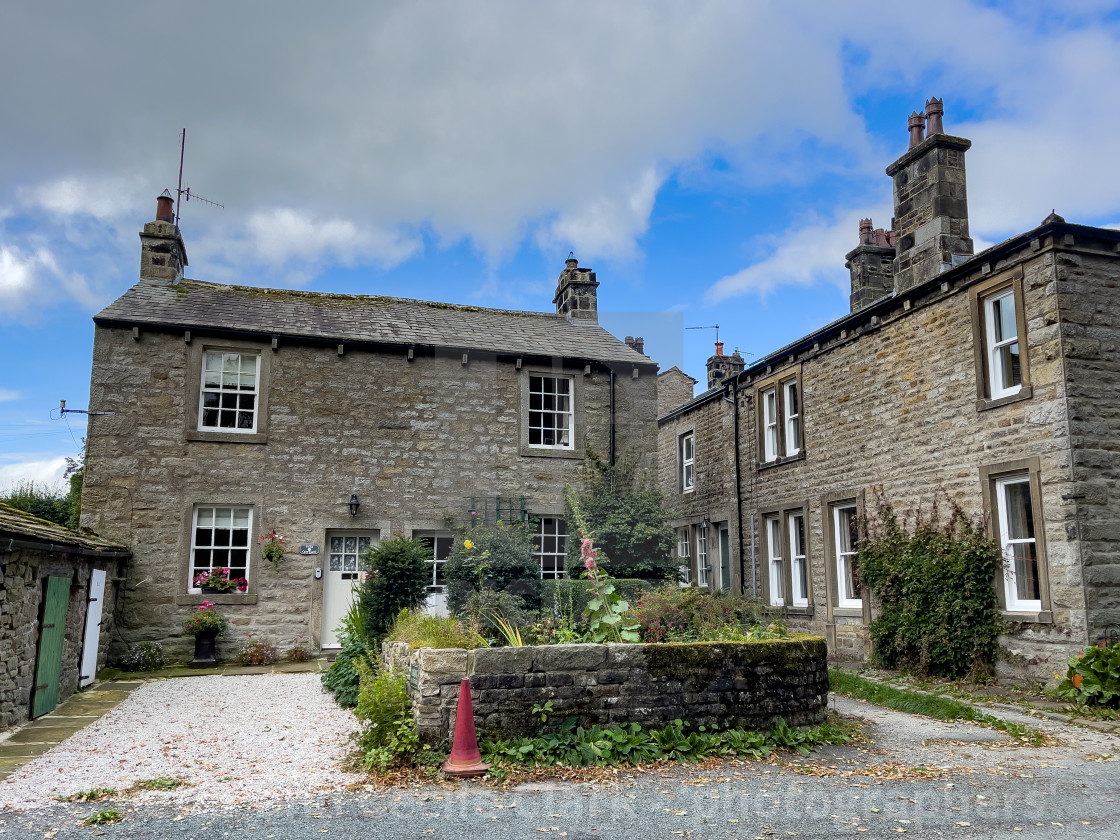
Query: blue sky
pixel 710 160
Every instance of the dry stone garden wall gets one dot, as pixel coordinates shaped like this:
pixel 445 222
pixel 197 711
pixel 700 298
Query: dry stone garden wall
pixel 748 684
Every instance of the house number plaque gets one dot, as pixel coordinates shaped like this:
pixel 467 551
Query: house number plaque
pixel 309 549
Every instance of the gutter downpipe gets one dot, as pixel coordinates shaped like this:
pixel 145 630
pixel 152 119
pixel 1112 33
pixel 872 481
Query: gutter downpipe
pixel 739 491
pixel 610 444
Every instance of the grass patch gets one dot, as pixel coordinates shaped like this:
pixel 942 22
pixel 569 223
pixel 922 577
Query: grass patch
pixel 105 817
pixel 158 783
pixel 91 795
pixel 915 703
pixel 421 630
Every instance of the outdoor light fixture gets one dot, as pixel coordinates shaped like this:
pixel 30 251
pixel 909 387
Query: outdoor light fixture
pixel 354 504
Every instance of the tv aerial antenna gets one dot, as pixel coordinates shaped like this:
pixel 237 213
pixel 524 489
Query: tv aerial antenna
pixel 713 327
pixel 181 194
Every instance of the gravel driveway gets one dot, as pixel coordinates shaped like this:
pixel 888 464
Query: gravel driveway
pixel 233 739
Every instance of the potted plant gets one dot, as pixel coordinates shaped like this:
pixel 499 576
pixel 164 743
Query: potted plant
pixel 217 581
pixel 206 624
pixel 272 551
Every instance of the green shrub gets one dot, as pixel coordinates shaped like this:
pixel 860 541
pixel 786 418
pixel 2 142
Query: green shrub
pixel 939 615
pixel 342 677
pixel 567 598
pixel 399 576
pixel 494 557
pixel 422 630
pixel 627 515
pixel 40 500
pixel 146 656
pixel 673 613
pixel 1093 677
pixel 389 737
pixel 257 652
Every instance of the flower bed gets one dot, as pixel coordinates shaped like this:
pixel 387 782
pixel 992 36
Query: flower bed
pixel 747 684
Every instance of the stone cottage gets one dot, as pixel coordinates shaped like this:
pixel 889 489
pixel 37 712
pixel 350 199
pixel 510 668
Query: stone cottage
pixel 334 421
pixel 991 377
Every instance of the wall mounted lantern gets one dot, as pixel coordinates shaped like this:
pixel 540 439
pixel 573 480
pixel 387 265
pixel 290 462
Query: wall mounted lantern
pixel 354 504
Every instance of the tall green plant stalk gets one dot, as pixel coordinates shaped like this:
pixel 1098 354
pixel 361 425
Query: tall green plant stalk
pixel 606 611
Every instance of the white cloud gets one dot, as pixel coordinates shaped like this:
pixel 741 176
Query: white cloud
pixel 33 280
pixel 286 234
pixel 46 471
pixel 8 395
pixel 19 274
pixel 801 256
pixel 100 198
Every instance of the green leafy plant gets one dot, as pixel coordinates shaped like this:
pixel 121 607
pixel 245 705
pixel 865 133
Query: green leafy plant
pixel 257 652
pixel 341 678
pixel 606 611
pixel 205 617
pixel 493 557
pixel 146 656
pixel 510 632
pixel 625 511
pixel 484 606
pixel 91 795
pixel 298 652
pixel 398 576
pixel 272 551
pixel 105 817
pixel 673 613
pixel 1093 677
pixel 159 783
pixel 389 738
pixel 432 631
pixel 934 583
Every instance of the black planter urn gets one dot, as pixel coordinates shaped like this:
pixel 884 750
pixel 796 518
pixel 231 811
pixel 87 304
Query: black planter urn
pixel 204 649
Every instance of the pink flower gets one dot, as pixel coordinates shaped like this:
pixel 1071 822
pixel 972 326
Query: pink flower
pixel 206 605
pixel 589 564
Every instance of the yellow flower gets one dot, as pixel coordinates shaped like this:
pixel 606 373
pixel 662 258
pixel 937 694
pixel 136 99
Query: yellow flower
pixel 468 545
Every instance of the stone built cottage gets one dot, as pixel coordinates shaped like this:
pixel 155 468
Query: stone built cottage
pixel 335 421
pixel 991 377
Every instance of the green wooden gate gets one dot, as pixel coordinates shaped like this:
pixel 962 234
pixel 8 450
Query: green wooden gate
pixel 52 634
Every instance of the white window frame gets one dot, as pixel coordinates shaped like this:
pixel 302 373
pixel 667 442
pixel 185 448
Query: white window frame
pixel 684 553
pixel 224 391
pixel 193 567
pixel 995 343
pixel 441 544
pixel 1007 545
pixel 702 555
pixel 770 424
pixel 551 528
pixel 798 558
pixel 563 418
pixel 687 454
pixel 792 394
pixel 845 557
pixel 773 525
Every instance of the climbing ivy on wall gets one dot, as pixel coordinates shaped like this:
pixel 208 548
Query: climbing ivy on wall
pixel 934 581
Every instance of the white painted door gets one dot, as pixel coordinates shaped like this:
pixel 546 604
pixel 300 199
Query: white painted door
pixel 93 628
pixel 342 576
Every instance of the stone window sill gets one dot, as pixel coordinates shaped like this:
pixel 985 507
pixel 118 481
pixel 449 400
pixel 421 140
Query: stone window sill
pixel 848 612
pixel 191 600
pixel 783 459
pixel 227 437
pixel 800 611
pixel 1025 393
pixel 534 452
pixel 1044 617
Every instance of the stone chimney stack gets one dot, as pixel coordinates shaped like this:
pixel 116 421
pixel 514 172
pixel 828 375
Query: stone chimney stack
pixel 871 264
pixel 576 297
pixel 721 367
pixel 163 256
pixel 930 202
pixel 636 344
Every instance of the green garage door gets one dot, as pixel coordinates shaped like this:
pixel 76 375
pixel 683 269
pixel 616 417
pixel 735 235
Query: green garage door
pixel 52 634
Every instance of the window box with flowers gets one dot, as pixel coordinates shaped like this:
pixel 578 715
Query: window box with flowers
pixel 218 582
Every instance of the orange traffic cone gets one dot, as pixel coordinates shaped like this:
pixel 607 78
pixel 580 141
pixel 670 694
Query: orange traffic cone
pixel 465 759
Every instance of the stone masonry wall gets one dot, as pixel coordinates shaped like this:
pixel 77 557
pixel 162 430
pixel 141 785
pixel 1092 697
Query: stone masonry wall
pixel 414 439
pixel 21 597
pixel 713 496
pixel 730 684
pixel 893 406
pixel 1088 287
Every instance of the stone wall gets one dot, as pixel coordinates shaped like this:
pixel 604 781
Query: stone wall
pixel 414 439
pixel 1088 290
pixel 23 572
pixel 749 684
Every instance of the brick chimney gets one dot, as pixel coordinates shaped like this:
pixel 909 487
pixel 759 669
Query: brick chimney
pixel 576 297
pixel 721 367
pixel 930 202
pixel 163 256
pixel 636 344
pixel 871 264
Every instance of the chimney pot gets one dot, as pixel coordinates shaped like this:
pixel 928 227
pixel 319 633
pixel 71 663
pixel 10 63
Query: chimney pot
pixel 165 207
pixel 719 348
pixel 571 262
pixel 917 125
pixel 935 108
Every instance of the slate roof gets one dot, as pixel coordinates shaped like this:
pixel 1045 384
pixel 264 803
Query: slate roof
pixel 20 525
pixel 193 304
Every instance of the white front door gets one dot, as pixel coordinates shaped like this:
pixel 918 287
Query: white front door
pixel 92 636
pixel 342 577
